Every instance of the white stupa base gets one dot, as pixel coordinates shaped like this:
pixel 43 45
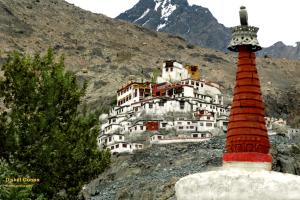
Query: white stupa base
pixel 238 184
pixel 250 166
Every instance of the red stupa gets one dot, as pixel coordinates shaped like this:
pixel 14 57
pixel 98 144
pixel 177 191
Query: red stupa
pixel 247 136
pixel 246 172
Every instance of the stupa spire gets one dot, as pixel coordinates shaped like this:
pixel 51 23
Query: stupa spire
pixel 247 138
pixel 246 172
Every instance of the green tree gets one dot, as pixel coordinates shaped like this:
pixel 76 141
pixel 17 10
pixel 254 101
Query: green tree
pixel 10 193
pixel 42 129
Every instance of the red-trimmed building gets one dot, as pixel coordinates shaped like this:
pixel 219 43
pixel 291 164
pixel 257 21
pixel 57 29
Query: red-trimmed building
pixel 148 106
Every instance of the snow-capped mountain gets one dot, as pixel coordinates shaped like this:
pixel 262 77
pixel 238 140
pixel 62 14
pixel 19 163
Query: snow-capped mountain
pixel 194 23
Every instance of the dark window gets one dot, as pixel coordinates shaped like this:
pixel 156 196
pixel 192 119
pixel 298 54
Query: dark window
pixel 164 125
pixel 171 69
pixel 191 127
pixel 181 104
pixel 169 63
pixel 112 147
pixel 159 137
pixel 209 124
pixel 161 103
pixel 120 137
pixel 124 145
pixel 109 139
pixel 195 135
pixel 180 127
pixel 117 146
pixel 208 117
pixel 188 123
pixel 141 127
pixel 194 68
pixel 150 105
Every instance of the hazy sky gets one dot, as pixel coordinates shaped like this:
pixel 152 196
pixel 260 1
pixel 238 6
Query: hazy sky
pixel 278 20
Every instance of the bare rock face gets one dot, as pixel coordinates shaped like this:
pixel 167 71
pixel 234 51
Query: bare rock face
pixel 286 155
pixel 194 23
pixel 280 50
pixel 152 173
pixel 236 184
pixel 12 24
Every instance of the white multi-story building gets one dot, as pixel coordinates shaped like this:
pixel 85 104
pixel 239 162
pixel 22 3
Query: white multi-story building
pixel 172 72
pixel 178 90
pixel 132 92
pixel 293 132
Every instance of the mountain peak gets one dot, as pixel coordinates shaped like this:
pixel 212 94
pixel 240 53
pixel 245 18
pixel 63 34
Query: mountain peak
pixel 166 7
pixel 279 44
pixel 173 2
pixel 194 23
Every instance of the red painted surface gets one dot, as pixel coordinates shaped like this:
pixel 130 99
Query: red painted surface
pixel 152 126
pixel 247 137
pixel 247 157
pixel 154 90
pixel 159 90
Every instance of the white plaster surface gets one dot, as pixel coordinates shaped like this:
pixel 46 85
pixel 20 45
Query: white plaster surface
pixel 249 166
pixel 238 184
pixel 180 140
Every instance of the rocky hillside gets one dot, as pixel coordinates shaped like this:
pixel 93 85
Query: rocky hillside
pixel 153 172
pixel 194 23
pixel 280 50
pixel 114 51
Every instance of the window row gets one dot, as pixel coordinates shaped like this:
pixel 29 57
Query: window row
pixel 192 83
pixel 136 128
pixel 125 99
pixel 124 91
pixel 169 69
pixel 111 138
pixel 187 127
